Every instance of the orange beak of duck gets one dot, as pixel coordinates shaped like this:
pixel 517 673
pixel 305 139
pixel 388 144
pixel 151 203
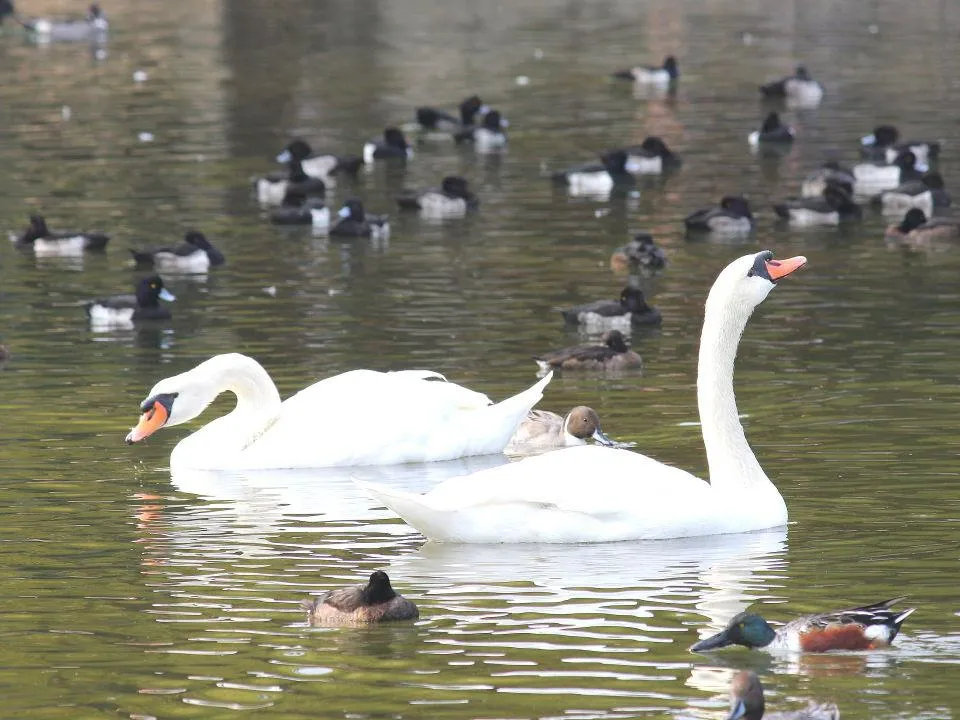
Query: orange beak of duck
pixel 781 268
pixel 156 412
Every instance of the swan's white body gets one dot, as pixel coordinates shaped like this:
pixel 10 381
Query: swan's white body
pixel 361 417
pixel 597 494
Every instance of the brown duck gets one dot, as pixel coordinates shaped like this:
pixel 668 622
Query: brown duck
pixel 374 602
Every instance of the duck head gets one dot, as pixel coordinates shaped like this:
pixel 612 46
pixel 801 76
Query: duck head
pixel 35 230
pixel 881 137
pixel 199 240
pixel 353 209
pixel 150 291
pixel 670 65
pixel 299 149
pixel 395 138
pixel 615 340
pixel 801 73
pixel 746 697
pixel 632 299
pixel 615 162
pixel 655 146
pixel 914 218
pixel 493 121
pixel 747 629
pixel 583 422
pixel 736 205
pixel 908 161
pixel 455 186
pixel 378 589
pixel 837 197
pixel 469 109
pixel 771 123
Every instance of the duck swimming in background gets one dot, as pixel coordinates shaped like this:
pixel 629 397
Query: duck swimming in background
pixel 927 194
pixel 747 702
pixel 664 75
pixel 651 157
pixel 641 252
pixel 361 417
pixel 544 430
pixel 393 146
pixel 860 628
pixel 353 222
pixel 916 226
pixel 432 120
pixel 374 602
pixel 830 172
pixel 875 177
pixel 799 87
pixel 630 310
pixel 732 217
pixel 125 310
pixel 835 206
pixel 195 254
pixel 273 188
pixel 298 209
pixel 93 27
pixel 488 135
pixel 45 242
pixel 597 178
pixel 772 131
pixel 882 146
pixel 597 494
pixel 323 166
pixel 613 354
pixel 452 199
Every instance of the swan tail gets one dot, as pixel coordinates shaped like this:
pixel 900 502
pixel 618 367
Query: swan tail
pixel 505 416
pixel 412 508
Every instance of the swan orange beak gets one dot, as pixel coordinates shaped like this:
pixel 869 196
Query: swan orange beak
pixel 154 418
pixel 781 268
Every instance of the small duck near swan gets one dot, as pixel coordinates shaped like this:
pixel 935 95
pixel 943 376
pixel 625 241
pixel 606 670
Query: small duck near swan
pixel 612 354
pixel 374 602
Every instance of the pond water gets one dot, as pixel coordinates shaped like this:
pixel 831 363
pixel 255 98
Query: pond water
pixel 128 592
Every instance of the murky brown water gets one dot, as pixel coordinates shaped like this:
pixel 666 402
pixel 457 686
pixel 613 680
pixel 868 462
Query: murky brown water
pixel 130 593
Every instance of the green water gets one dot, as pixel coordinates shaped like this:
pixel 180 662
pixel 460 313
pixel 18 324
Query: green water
pixel 126 592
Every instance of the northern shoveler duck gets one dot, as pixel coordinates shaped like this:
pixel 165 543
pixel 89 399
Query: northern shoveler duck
pixel 43 241
pixel 732 217
pixel 298 209
pixel 356 222
pixel 882 146
pixel 830 172
pixel 832 208
pixel 916 226
pixel 860 628
pixel 394 145
pixel 433 120
pixel 272 189
pixel 488 135
pixel 320 165
pixel 747 702
pixel 799 87
pixel 597 178
pixel 127 309
pixel 374 602
pixel 651 157
pixel 927 194
pixel 613 354
pixel 877 177
pixel 452 199
pixel 630 310
pixel 666 74
pixel 641 252
pixel 544 430
pixel 194 254
pixel 772 131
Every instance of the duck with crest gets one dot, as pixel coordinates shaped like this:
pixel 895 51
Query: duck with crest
pixel 43 241
pixel 629 310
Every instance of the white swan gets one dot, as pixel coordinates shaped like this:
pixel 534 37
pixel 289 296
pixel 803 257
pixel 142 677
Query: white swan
pixel 596 494
pixel 361 417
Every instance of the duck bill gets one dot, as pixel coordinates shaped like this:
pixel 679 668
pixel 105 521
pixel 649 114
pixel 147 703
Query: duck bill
pixel 920 166
pixel 167 295
pixel 603 438
pixel 868 140
pixel 151 421
pixel 284 157
pixel 721 639
pixel 778 269
pixel 738 710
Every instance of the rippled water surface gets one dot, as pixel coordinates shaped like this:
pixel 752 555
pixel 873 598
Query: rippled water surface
pixel 128 592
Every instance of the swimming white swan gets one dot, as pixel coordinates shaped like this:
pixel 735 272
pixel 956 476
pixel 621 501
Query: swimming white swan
pixel 361 417
pixel 596 494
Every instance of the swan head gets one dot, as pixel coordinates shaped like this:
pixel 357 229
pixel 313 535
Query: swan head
pixel 747 629
pixel 747 281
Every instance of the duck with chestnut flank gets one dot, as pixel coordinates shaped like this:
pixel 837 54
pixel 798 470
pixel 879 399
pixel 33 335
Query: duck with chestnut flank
pixel 374 602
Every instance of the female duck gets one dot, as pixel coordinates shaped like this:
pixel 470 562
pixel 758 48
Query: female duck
pixel 360 417
pixel 433 121
pixel 128 309
pixel 374 602
pixel 662 76
pixel 487 136
pixel 799 87
pixel 355 222
pixel 927 194
pixel 597 178
pixel 594 494
pixel 195 254
pixel 544 430
pixel 393 146
pixel 323 166
pixel 630 309
pixel 298 209
pixel 640 253
pixel 732 217
pixel 613 354
pixel 772 131
pixel 651 157
pixel 828 173
pixel 882 146
pixel 45 242
pixel 272 189
pixel 835 206
pixel 916 226
pixel 871 176
pixel 452 199
pixel 859 628
pixel 747 702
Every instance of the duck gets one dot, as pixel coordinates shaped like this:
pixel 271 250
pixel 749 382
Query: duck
pixel 360 417
pixel 860 628
pixel 323 166
pixel 799 87
pixel 835 206
pixel 597 494
pixel 194 254
pixel 641 252
pixel 597 178
pixel 882 146
pixel 298 209
pixel 830 172
pixel 452 199
pixel 874 176
pixel 612 354
pixel 92 27
pixel 666 74
pixel 732 217
pixel 432 120
pixel 394 145
pixel 916 226
pixel 353 221
pixel 488 135
pixel 772 131
pixel 144 304
pixel 272 189
pixel 747 702
pixel 45 242
pixel 927 194
pixel 630 310
pixel 651 157
pixel 374 602
pixel 545 430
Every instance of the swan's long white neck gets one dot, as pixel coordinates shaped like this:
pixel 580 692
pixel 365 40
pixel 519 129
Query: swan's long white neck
pixel 731 462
